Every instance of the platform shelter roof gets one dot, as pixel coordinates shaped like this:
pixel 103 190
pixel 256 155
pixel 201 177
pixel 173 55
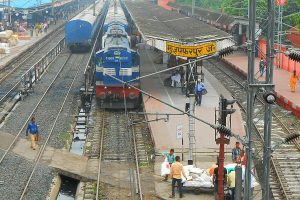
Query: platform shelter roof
pixel 28 3
pixel 156 22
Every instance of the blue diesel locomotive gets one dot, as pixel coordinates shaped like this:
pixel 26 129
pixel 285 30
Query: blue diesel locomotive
pixel 117 59
pixel 81 30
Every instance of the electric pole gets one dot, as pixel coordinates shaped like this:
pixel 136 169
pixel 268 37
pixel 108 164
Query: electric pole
pixel 279 37
pixel 9 13
pixel 94 8
pixel 52 9
pixel 191 83
pixel 268 107
pixel 223 112
pixel 250 96
pixel 193 6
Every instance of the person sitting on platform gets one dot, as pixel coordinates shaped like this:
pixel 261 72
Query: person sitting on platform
pixel 175 78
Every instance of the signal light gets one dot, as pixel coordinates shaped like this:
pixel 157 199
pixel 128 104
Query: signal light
pixel 269 97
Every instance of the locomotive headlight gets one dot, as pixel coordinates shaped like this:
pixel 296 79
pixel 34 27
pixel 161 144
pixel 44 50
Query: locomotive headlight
pixel 131 95
pixel 105 87
pixel 102 95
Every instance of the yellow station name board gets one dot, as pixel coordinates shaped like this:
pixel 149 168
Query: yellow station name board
pixel 191 51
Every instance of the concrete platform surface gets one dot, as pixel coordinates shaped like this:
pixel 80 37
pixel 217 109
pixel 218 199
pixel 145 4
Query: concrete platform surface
pixel 164 133
pixel 69 164
pixel 163 188
pixel 23 45
pixel 286 98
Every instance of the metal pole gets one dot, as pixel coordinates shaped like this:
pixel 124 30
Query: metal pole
pixel 221 167
pixel 250 96
pixel 279 35
pixel 268 107
pixel 52 9
pixel 9 13
pixel 193 6
pixel 94 8
pixel 221 142
pixel 238 183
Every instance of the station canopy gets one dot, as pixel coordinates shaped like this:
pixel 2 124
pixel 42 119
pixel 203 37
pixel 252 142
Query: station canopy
pixel 24 4
pixel 175 33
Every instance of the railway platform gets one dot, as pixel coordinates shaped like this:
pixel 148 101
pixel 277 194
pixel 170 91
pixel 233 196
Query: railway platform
pixel 285 98
pixel 25 45
pixel 164 133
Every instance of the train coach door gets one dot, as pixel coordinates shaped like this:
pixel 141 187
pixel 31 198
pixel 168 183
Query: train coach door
pixel 135 65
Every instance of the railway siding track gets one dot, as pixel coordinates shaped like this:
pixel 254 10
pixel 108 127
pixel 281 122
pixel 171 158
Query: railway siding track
pixel 34 73
pixel 53 109
pixel 285 160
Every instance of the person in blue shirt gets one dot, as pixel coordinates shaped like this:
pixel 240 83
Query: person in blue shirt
pixel 199 90
pixel 171 159
pixel 33 130
pixel 235 152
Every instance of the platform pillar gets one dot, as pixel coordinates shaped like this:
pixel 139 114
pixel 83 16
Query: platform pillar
pixel 165 58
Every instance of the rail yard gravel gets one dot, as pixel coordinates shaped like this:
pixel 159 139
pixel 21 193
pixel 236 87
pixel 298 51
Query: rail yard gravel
pixel 45 114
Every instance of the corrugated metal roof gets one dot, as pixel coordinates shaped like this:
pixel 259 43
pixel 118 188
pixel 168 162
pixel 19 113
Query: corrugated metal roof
pixel 28 3
pixel 88 13
pixel 214 16
pixel 154 21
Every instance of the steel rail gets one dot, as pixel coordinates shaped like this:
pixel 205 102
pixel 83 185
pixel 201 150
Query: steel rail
pixel 137 164
pixel 259 132
pixel 30 115
pixel 100 155
pixel 41 45
pixel 18 83
pixel 40 153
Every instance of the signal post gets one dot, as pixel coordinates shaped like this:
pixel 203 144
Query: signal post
pixel 222 140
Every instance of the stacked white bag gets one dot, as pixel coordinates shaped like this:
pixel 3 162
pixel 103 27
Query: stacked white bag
pixel 197 178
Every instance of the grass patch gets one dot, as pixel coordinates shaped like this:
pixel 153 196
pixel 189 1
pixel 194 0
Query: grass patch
pixel 65 137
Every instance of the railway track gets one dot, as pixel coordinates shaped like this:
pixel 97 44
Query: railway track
pixel 285 159
pixel 10 75
pixel 57 91
pixel 120 150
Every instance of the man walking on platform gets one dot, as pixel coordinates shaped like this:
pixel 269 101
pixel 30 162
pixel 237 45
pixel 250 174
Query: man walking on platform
pixel 171 159
pixel 261 67
pixel 176 171
pixel 33 130
pixel 293 81
pixel 200 90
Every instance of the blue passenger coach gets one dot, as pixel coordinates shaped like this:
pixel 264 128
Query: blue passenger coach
pixel 81 30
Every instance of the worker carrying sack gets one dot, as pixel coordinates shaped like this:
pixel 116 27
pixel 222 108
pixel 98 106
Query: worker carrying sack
pixel 165 168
